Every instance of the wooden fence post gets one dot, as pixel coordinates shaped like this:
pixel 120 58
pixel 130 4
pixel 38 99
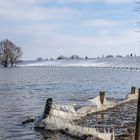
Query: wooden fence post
pixel 133 90
pixel 137 131
pixel 47 108
pixel 102 96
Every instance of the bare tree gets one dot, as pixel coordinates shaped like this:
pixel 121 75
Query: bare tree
pixel 15 54
pixel 9 53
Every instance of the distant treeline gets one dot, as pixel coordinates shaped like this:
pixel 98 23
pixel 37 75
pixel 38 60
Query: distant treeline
pixel 70 57
pixel 86 57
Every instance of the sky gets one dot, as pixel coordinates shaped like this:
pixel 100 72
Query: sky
pixel 50 28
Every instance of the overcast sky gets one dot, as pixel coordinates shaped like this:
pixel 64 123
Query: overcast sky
pixel 49 28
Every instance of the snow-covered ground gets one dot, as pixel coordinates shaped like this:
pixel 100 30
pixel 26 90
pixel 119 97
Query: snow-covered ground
pixel 125 62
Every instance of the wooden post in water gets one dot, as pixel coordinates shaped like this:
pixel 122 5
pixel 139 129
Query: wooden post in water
pixel 38 121
pixel 102 96
pixel 137 131
pixel 47 108
pixel 133 90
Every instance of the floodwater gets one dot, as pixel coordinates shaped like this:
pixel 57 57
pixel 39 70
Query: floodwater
pixel 23 92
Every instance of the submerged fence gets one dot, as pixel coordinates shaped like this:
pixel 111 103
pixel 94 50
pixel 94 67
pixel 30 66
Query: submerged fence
pixel 62 117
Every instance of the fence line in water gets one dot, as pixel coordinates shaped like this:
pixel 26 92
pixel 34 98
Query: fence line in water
pixel 99 103
pixel 61 117
pixel 72 128
pixel 82 66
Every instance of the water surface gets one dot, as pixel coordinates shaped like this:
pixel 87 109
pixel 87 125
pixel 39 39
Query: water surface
pixel 23 92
